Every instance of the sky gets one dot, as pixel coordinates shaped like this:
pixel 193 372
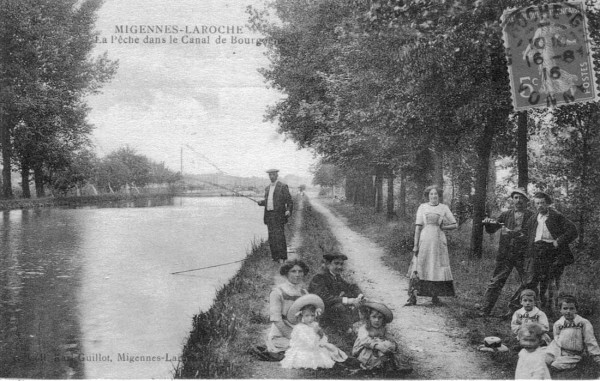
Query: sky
pixel 196 106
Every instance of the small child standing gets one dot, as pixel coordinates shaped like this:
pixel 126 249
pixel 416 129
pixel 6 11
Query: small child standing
pixel 309 347
pixel 531 364
pixel 374 348
pixel 573 335
pixel 529 313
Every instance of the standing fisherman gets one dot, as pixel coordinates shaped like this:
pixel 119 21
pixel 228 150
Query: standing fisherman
pixel 511 249
pixel 278 209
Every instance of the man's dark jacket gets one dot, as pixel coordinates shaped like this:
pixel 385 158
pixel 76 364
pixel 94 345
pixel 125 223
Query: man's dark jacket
pixel 331 289
pixel 282 202
pixel 562 230
pixel 519 241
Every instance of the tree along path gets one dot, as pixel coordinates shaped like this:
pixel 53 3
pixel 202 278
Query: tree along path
pixel 435 343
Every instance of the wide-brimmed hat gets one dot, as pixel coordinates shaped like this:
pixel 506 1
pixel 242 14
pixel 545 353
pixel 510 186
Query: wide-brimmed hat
pixel 380 307
pixel 520 191
pixel 301 302
pixel 493 344
pixel 543 195
pixel 331 257
pixel 272 170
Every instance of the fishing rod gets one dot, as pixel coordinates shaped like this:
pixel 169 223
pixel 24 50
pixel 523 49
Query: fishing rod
pixel 231 190
pixel 207 267
pixel 220 171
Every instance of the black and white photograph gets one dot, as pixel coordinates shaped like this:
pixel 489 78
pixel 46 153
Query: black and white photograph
pixel 300 189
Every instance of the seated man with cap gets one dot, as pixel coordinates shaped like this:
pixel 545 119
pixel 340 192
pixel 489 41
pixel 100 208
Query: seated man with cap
pixel 278 205
pixel 338 295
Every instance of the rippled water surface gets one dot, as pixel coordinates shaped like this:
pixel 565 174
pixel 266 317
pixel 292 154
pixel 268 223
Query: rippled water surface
pixel 88 293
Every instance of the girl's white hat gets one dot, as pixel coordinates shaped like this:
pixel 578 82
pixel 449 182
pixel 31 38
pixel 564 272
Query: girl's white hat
pixel 302 302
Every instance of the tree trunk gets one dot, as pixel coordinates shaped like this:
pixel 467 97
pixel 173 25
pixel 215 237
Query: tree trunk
pixel 583 207
pixel 368 191
pixel 38 176
pixel 378 191
pixel 483 148
pixel 522 164
pixel 390 196
pixel 5 127
pixel 423 169
pixel 25 180
pixel 491 201
pixel 437 155
pixel 348 187
pixel 402 195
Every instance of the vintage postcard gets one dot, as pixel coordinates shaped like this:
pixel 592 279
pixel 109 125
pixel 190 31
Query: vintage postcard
pixel 158 224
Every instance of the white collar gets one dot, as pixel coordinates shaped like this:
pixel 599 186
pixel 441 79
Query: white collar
pixel 292 289
pixel 534 311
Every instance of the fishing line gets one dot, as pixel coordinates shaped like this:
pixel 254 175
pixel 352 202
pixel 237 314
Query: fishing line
pixel 220 171
pixel 206 159
pixel 208 267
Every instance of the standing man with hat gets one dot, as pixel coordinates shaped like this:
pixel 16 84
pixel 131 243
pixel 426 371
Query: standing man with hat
pixel 511 249
pixel 338 295
pixel 278 209
pixel 549 234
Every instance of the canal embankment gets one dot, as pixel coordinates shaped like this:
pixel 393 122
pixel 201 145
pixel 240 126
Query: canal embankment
pixel 239 317
pixel 109 200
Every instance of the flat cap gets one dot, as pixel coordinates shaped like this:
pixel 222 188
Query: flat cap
pixel 331 257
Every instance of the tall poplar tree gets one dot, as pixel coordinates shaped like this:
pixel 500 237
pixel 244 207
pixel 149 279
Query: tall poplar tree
pixel 45 72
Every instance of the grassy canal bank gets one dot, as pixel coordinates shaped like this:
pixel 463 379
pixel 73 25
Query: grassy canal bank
pixel 471 277
pixel 110 200
pixel 220 338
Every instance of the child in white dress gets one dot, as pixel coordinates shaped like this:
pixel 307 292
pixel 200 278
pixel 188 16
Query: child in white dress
pixel 532 358
pixel 309 347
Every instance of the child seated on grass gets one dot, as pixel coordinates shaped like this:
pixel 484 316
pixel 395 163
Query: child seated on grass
pixel 374 347
pixel 531 364
pixel 309 347
pixel 573 336
pixel 529 313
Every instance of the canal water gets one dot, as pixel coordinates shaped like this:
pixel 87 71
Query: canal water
pixel 88 293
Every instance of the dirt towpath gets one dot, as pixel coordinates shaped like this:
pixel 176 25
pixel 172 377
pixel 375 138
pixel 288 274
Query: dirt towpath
pixel 435 344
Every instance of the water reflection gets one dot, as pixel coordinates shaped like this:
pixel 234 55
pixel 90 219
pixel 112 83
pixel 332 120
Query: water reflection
pixel 38 277
pixel 86 292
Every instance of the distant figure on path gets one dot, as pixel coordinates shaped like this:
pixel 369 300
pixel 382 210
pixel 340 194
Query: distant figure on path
pixel 511 249
pixel 338 295
pixel 548 253
pixel 431 260
pixel 278 209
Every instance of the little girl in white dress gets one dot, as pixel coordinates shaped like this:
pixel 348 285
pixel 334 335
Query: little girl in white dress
pixel 309 347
